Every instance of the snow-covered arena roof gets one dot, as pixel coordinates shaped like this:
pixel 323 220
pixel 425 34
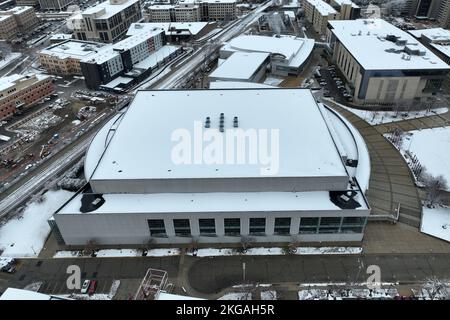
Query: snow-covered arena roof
pixel 141 147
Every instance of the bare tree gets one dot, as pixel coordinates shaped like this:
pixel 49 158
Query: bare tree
pixel 434 186
pixel 90 248
pixel 245 243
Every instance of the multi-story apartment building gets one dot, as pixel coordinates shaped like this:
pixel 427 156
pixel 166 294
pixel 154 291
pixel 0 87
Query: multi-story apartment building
pixel 106 22
pixel 318 13
pixel 161 13
pixel 64 57
pixel 193 10
pixel 435 9
pixel 32 3
pixel 187 13
pixel 55 4
pixel 218 10
pixel 347 9
pixel 18 92
pixel 18 19
pixel 383 64
pixel 443 15
pixel 122 57
pixel 8 27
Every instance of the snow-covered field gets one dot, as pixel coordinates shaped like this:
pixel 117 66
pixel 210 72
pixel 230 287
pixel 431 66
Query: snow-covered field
pixel 436 222
pixel 431 147
pixel 25 236
pixel 379 117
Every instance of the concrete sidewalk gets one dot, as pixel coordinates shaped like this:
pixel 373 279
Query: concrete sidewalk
pixel 383 238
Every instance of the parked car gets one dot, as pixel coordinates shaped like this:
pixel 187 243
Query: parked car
pixel 8 265
pixel 85 286
pixel 92 287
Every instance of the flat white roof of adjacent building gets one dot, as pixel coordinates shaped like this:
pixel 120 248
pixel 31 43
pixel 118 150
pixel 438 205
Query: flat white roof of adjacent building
pixel 323 7
pixel 240 65
pixel 109 8
pixel 73 49
pixel 341 2
pixel 365 40
pixel 295 50
pixel 193 27
pixel 161 7
pixel 21 294
pixel 61 36
pixel 19 10
pixel 237 85
pixel 134 40
pixel 439 37
pixel 14 79
pixel 141 147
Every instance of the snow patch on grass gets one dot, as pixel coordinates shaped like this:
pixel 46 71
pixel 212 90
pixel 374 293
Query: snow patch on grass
pixel 25 235
pixel 436 222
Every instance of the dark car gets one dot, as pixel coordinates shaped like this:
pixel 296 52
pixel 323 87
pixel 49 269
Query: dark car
pixel 92 287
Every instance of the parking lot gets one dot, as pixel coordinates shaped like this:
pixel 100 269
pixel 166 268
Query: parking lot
pixel 333 85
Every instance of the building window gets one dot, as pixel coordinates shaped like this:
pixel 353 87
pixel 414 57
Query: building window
pixel 157 227
pixel 182 227
pixel 207 227
pixel 330 221
pixel 232 226
pixel 257 226
pixel 353 224
pixel 308 225
pixel 330 224
pixel 282 226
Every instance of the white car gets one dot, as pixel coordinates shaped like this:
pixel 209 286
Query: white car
pixel 85 286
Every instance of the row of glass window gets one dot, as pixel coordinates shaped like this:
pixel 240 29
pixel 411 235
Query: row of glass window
pixel 257 226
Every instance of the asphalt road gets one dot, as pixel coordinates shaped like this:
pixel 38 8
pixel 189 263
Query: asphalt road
pixel 209 276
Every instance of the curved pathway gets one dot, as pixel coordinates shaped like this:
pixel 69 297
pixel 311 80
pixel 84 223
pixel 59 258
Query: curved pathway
pixel 391 182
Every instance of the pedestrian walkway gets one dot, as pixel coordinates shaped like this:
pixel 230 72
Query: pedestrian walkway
pixel 391 183
pixel 434 121
pixel 383 238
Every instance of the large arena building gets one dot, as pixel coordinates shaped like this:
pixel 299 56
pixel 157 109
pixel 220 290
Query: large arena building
pixel 168 170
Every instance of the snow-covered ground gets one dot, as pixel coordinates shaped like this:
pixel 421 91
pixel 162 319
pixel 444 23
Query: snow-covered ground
pixel 379 117
pixel 96 296
pixel 436 222
pixel 109 253
pixel 25 236
pixel 237 296
pixel 432 148
pixel 212 252
pixel 117 253
pixel 268 295
pixel 326 294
